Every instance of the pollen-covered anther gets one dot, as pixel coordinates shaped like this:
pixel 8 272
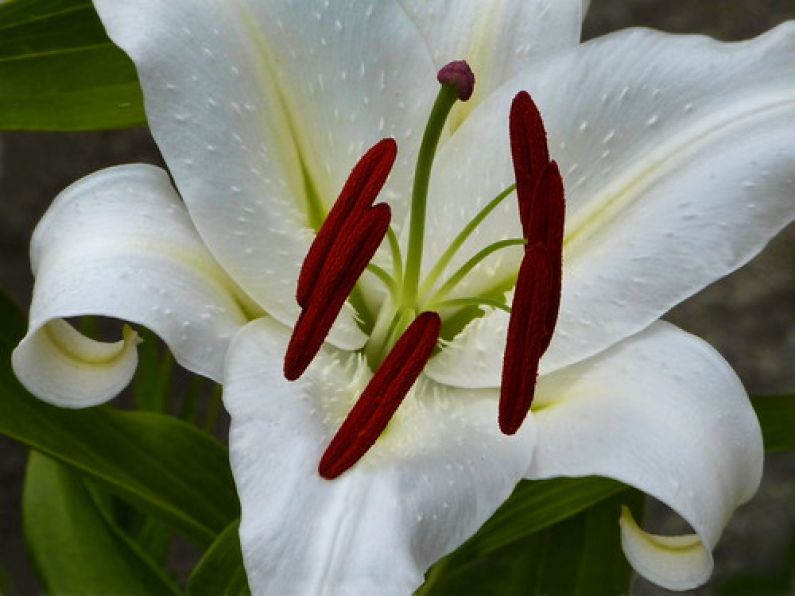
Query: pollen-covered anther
pixel 349 256
pixel 529 151
pixel 536 301
pixel 342 249
pixel 358 194
pixel 527 333
pixel 383 395
pixel 458 75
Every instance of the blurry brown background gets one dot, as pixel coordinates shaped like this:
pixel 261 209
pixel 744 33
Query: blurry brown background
pixel 748 316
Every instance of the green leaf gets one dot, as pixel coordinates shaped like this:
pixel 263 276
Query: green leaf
pixel 76 549
pixel 161 465
pixel 61 72
pixel 152 385
pixel 533 506
pixel 777 417
pixel 536 505
pixel 221 572
pixel 580 556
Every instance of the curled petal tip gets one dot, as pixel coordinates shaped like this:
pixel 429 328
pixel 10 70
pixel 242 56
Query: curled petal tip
pixel 459 76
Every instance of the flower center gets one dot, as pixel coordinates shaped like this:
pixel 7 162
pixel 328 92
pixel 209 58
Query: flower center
pixel 407 329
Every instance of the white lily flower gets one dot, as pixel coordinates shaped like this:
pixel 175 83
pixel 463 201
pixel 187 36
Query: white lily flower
pixel 678 162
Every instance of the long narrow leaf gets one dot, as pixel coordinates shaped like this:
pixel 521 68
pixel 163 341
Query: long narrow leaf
pixel 221 572
pixel 76 549
pixel 59 70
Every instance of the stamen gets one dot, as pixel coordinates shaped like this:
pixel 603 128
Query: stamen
pixel 383 395
pixel 536 301
pixel 527 332
pixel 360 191
pixel 549 222
pixel 473 301
pixel 349 256
pixel 473 262
pixel 462 237
pixel 529 151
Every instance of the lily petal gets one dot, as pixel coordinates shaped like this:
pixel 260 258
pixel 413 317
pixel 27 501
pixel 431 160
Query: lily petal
pixel 663 412
pixel 677 156
pixel 261 109
pixel 436 474
pixel 498 39
pixel 120 244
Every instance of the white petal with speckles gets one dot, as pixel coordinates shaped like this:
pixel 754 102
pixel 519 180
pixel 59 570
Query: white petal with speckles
pixel 661 411
pixel 249 101
pixel 437 473
pixel 120 244
pixel 678 159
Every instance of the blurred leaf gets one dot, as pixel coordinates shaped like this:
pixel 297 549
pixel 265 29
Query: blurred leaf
pixel 777 417
pixel 161 465
pixel 580 556
pixel 152 384
pixel 12 324
pixel 74 546
pixel 61 72
pixel 536 505
pixel 533 506
pixel 777 581
pixel 220 572
pixel 6 585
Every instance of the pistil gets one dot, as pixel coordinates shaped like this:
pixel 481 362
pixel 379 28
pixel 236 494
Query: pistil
pixel 457 82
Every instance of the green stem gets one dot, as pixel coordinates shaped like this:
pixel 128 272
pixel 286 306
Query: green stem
pixel 419 196
pixel 456 278
pixel 459 240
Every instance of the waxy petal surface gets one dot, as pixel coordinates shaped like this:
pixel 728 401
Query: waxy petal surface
pixel 677 157
pixel 248 101
pixel 120 244
pixel 663 412
pixel 439 471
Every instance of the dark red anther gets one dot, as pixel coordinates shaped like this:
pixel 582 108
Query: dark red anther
pixel 536 301
pixel 342 267
pixel 460 77
pixel 359 193
pixel 529 151
pixel 550 210
pixel 383 395
pixel 527 334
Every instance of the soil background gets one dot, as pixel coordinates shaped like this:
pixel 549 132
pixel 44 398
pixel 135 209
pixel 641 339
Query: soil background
pixel 747 316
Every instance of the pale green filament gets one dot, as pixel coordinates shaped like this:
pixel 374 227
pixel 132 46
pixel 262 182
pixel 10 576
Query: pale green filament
pixel 462 237
pixel 397 258
pixel 460 302
pixel 384 277
pixel 462 272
